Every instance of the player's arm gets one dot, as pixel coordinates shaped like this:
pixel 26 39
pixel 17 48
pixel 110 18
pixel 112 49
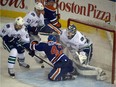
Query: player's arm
pixel 29 18
pixel 5 33
pixel 5 30
pixel 54 20
pixel 25 36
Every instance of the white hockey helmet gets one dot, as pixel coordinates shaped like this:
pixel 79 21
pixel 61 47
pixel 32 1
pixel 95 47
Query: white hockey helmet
pixel 19 21
pixel 39 6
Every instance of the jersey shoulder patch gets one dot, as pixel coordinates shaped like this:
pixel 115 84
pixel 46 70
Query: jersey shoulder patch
pixel 8 26
pixel 33 14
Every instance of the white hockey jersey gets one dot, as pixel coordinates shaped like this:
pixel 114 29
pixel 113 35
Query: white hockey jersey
pixel 33 20
pixel 9 30
pixel 78 42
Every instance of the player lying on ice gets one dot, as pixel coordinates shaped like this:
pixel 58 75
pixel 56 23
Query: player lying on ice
pixel 62 65
pixel 81 49
pixel 12 34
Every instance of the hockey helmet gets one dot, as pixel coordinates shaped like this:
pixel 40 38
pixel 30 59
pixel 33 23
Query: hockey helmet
pixel 51 38
pixel 19 21
pixel 50 0
pixel 71 31
pixel 39 6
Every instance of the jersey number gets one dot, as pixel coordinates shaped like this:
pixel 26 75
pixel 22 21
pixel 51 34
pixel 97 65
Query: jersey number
pixel 3 31
pixel 55 51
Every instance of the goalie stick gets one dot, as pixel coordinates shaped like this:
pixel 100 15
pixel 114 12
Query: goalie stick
pixel 44 60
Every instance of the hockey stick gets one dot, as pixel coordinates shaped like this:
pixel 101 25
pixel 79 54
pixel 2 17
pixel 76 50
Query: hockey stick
pixel 57 8
pixel 43 60
pixel 46 34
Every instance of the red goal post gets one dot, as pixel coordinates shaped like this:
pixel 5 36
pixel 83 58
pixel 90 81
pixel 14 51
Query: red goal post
pixel 106 28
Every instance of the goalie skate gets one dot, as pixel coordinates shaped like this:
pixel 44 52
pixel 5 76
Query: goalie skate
pixel 11 72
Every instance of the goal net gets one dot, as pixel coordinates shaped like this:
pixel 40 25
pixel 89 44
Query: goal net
pixel 103 37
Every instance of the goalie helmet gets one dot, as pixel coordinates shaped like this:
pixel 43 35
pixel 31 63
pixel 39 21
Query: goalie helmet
pixel 19 21
pixel 52 38
pixel 39 6
pixel 71 31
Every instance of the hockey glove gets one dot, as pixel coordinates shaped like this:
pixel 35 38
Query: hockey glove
pixel 31 53
pixel 32 50
pixel 32 45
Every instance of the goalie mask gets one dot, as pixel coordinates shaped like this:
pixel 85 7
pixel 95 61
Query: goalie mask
pixel 71 31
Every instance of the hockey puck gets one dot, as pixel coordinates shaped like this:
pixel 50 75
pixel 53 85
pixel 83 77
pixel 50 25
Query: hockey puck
pixel 42 66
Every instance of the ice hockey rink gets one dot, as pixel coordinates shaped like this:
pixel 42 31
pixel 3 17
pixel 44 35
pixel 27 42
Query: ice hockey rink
pixel 37 76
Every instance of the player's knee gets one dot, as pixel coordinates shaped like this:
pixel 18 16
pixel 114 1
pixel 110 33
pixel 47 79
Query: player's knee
pixel 51 77
pixel 20 50
pixel 13 52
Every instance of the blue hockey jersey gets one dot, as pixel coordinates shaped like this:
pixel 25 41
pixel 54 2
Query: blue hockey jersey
pixel 51 16
pixel 53 50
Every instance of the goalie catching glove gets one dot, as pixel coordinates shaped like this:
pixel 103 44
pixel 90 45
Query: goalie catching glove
pixel 82 57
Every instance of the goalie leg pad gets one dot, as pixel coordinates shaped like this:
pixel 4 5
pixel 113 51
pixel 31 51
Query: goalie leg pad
pixel 101 75
pixel 88 70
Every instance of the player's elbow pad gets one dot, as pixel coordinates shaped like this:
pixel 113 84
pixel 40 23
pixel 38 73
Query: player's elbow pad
pixel 8 39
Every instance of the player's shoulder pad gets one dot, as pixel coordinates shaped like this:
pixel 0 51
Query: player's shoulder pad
pixel 33 14
pixel 7 25
pixel 51 8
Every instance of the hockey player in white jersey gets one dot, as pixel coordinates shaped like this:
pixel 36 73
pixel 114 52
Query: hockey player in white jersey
pixel 13 34
pixel 81 50
pixel 34 20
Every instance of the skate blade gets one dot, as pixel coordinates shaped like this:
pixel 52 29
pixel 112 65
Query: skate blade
pixel 13 77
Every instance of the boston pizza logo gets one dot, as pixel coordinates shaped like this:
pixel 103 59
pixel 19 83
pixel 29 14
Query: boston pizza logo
pixel 16 3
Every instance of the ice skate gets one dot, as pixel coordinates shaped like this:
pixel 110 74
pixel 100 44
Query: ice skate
pixel 38 60
pixel 23 64
pixel 74 73
pixel 69 77
pixel 11 72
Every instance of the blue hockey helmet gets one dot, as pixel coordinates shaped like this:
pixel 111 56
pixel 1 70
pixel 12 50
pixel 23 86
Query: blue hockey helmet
pixel 52 38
